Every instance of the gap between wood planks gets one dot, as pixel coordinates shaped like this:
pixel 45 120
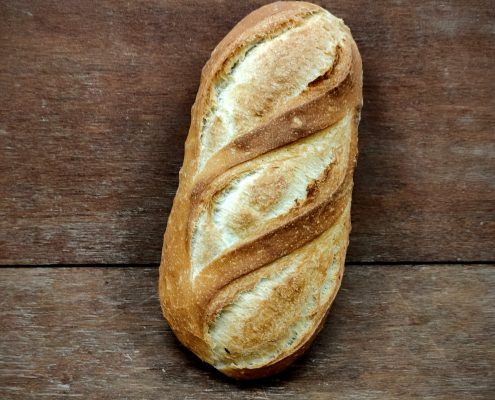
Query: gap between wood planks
pixel 352 263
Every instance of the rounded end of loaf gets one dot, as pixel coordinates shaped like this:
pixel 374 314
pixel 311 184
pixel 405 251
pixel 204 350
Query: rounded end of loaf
pixel 282 363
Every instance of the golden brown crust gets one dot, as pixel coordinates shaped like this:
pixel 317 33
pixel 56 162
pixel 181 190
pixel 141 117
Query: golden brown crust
pixel 280 364
pixel 193 297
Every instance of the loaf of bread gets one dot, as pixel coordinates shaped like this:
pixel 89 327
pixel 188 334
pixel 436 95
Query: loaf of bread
pixel 255 244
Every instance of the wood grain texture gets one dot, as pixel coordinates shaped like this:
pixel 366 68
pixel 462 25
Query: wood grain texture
pixel 394 332
pixel 94 110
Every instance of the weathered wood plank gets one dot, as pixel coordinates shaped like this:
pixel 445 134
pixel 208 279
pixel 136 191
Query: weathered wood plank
pixel 394 332
pixel 94 109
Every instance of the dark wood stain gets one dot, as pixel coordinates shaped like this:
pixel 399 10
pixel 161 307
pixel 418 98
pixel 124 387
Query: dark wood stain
pixel 394 332
pixel 94 111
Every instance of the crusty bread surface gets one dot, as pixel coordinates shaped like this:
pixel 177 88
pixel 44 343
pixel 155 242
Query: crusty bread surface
pixel 255 244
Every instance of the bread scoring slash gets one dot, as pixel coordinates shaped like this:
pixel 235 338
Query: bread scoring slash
pixel 255 244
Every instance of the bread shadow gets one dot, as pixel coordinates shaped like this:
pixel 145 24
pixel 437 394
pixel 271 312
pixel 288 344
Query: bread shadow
pixel 379 175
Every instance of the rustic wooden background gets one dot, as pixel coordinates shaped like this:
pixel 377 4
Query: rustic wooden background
pixel 94 109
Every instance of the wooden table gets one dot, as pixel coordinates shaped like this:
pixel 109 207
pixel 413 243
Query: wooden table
pixel 94 109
